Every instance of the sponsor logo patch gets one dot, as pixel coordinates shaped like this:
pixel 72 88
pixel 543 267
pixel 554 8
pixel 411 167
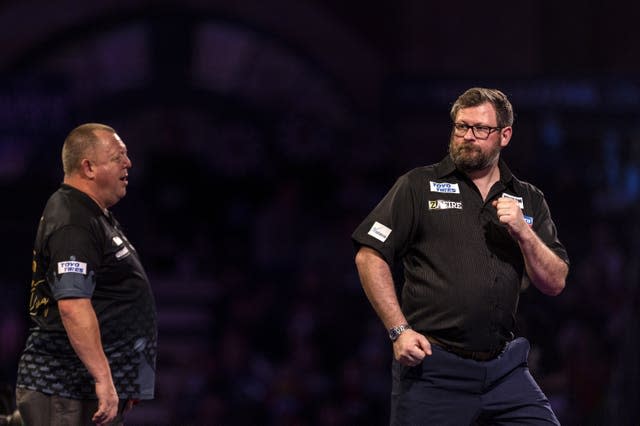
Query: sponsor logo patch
pixel 444 205
pixel 379 231
pixel 529 220
pixel 444 187
pixel 513 197
pixel 71 266
pixel 122 252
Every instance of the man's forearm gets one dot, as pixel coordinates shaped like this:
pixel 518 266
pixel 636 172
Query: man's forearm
pixel 377 282
pixel 81 324
pixel 545 269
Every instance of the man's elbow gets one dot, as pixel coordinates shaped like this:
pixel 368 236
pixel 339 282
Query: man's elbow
pixel 556 286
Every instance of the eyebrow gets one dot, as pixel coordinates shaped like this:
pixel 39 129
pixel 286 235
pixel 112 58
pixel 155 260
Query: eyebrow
pixel 477 124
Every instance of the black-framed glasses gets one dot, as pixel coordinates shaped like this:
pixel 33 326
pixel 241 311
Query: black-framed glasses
pixel 480 132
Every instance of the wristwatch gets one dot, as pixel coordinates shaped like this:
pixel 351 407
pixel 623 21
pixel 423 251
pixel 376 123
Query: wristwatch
pixel 395 332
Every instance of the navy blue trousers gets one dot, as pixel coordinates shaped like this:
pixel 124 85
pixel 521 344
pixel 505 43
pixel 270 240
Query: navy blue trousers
pixel 446 389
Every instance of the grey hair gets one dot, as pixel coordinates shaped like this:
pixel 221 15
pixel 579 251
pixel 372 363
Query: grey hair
pixel 78 143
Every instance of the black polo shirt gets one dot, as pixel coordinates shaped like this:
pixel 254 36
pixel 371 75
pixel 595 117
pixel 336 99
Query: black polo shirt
pixel 81 252
pixel 463 272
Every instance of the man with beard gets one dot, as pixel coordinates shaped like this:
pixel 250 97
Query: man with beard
pixel 470 237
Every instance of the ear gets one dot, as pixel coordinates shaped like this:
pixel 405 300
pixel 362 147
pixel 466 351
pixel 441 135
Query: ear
pixel 505 136
pixel 88 168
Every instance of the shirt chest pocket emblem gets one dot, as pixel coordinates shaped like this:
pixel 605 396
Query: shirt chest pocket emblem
pixel 444 187
pixel 124 251
pixel 517 199
pixel 444 205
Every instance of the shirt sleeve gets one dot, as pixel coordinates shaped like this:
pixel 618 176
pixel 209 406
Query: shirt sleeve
pixel 545 228
pixel 390 226
pixel 74 259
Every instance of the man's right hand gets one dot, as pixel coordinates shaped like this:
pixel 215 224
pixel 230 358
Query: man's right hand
pixel 411 348
pixel 107 403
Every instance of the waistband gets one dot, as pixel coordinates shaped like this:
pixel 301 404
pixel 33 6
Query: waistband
pixel 463 353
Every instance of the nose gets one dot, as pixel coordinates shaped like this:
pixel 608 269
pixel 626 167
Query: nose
pixel 127 162
pixel 469 130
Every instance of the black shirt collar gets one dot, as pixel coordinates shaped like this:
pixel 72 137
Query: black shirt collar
pixel 84 199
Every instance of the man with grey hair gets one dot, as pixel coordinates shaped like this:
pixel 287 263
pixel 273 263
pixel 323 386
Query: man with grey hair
pixel 470 237
pixel 91 352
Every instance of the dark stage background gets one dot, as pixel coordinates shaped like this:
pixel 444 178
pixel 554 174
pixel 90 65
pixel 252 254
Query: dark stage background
pixel 262 132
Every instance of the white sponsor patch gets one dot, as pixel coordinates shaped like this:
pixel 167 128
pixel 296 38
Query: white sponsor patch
pixel 446 187
pixel 71 266
pixel 379 231
pixel 513 197
pixel 122 252
pixel 117 240
pixel 444 205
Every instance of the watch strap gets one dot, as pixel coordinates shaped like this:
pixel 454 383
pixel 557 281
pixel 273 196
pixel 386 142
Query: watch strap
pixel 395 332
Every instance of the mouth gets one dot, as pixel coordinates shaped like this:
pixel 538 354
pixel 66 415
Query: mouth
pixel 467 148
pixel 125 178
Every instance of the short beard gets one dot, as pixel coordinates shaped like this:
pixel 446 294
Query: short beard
pixel 469 158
